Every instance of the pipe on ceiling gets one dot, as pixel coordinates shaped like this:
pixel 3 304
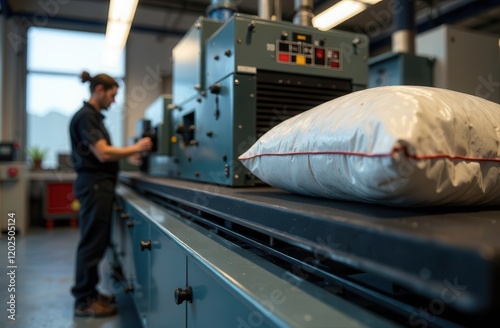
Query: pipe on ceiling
pixel 403 37
pixel 222 9
pixel 447 13
pixel 303 12
pixel 265 9
pixel 270 9
pixel 278 10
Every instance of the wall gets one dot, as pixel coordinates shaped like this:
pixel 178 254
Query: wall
pixel 2 32
pixel 13 77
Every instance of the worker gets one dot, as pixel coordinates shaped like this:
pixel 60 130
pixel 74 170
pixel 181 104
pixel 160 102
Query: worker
pixel 95 160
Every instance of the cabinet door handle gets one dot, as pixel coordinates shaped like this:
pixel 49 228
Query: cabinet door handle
pixel 130 224
pixel 181 295
pixel 124 215
pixel 145 245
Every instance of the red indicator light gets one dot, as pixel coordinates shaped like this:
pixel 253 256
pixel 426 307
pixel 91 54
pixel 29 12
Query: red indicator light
pixel 284 57
pixel 12 172
pixel 320 53
pixel 335 64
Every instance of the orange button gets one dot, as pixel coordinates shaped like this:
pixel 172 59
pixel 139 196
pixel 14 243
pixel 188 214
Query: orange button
pixel 301 60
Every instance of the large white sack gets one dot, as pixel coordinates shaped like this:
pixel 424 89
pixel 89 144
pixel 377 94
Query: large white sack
pixel 398 145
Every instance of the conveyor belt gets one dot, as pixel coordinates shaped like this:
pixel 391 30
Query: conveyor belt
pixel 447 256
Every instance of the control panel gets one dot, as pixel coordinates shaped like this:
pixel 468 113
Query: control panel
pixel 300 53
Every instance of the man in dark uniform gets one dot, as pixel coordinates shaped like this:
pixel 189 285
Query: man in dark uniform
pixel 96 163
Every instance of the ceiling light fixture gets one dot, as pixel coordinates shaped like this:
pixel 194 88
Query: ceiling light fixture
pixel 340 12
pixel 120 17
pixel 370 2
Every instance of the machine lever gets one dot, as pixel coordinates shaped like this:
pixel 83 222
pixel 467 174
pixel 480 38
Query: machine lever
pixel 145 245
pixel 181 295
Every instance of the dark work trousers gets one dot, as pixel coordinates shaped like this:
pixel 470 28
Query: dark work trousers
pixel 96 193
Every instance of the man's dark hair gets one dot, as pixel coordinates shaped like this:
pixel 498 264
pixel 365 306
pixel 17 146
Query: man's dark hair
pixel 104 79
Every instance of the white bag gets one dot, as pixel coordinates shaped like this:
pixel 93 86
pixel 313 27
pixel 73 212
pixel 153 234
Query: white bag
pixel 398 145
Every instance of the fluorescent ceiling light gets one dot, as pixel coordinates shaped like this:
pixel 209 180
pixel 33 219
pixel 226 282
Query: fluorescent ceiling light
pixel 370 2
pixel 337 14
pixel 120 17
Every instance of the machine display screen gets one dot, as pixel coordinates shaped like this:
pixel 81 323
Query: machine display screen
pixel 302 53
pixel 300 37
pixel 5 150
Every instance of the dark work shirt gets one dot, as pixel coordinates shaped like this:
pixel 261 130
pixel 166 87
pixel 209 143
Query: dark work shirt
pixel 86 128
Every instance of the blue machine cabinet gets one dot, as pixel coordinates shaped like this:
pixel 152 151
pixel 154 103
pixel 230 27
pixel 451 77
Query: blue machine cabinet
pixel 168 272
pixel 186 276
pixel 396 68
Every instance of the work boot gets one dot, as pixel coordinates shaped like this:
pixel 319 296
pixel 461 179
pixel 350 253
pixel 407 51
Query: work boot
pixel 106 299
pixel 95 309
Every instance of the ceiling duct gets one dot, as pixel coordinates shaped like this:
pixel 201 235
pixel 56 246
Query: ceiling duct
pixel 303 12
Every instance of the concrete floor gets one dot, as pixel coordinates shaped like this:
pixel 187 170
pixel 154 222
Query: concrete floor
pixel 44 276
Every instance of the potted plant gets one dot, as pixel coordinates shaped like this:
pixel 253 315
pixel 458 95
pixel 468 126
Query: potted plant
pixel 37 153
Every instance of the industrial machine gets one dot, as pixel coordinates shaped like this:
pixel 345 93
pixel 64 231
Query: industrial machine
pixel 156 125
pixel 195 252
pixel 233 81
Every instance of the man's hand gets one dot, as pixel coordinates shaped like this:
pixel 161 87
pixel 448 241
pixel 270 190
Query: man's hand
pixel 144 144
pixel 106 153
pixel 135 159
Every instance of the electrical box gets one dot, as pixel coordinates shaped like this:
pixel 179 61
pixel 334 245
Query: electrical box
pixel 465 61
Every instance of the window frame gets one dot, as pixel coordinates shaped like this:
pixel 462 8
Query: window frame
pixel 116 114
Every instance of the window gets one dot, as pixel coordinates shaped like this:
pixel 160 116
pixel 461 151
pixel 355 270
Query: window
pixel 55 60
